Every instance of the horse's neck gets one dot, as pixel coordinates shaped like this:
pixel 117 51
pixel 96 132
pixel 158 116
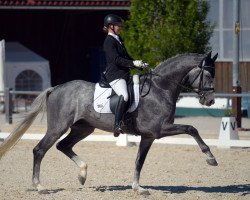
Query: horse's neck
pixel 180 65
pixel 176 71
pixel 171 78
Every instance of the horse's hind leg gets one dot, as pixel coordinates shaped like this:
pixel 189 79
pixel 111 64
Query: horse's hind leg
pixel 39 151
pixel 77 133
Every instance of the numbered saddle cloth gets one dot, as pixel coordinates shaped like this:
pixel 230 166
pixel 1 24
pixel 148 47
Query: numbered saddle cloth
pixel 105 98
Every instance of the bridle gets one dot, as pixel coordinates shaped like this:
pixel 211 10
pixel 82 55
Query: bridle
pixel 200 90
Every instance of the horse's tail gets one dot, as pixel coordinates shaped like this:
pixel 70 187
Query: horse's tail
pixel 39 104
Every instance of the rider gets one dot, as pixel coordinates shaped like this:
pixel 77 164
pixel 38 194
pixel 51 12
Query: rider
pixel 118 64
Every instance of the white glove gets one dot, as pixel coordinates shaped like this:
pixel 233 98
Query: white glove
pixel 140 64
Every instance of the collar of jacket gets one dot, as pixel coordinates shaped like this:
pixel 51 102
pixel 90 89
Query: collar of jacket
pixel 116 37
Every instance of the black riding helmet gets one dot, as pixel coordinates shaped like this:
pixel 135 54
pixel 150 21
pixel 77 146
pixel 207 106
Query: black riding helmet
pixel 111 19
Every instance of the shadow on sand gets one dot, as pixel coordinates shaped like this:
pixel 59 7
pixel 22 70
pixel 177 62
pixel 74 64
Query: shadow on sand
pixel 244 189
pixel 47 191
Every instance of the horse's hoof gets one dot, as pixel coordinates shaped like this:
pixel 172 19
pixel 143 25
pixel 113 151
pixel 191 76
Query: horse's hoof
pixel 212 162
pixel 81 179
pixel 141 191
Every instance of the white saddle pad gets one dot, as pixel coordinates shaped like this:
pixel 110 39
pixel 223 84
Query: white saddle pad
pixel 102 102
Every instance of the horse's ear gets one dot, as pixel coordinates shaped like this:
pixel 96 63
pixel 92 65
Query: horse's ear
pixel 209 54
pixel 215 57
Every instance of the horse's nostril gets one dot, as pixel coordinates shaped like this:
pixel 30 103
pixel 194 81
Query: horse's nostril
pixel 211 102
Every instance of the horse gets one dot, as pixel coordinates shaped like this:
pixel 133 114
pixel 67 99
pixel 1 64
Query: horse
pixel 69 106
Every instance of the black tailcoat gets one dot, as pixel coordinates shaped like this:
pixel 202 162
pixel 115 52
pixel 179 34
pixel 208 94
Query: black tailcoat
pixel 118 59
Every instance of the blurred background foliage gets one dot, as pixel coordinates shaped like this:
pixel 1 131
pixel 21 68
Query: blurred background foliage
pixel 159 29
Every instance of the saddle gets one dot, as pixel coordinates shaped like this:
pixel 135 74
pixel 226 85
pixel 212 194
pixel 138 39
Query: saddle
pixel 105 98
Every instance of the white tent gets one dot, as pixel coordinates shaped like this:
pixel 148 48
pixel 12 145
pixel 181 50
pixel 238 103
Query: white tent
pixel 23 69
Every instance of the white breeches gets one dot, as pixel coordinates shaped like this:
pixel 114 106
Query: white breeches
pixel 120 88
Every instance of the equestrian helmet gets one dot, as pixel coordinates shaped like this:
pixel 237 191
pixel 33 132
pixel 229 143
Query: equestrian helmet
pixel 111 19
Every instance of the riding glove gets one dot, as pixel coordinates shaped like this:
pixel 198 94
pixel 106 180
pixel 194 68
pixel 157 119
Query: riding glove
pixel 140 64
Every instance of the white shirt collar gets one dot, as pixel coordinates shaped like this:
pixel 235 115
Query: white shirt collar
pixel 115 36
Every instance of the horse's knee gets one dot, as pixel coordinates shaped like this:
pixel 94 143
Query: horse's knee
pixel 37 152
pixel 192 131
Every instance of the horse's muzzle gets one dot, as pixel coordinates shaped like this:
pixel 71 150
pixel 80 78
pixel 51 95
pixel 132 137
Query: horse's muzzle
pixel 209 103
pixel 206 99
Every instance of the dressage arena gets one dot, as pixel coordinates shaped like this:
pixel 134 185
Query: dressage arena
pixel 170 171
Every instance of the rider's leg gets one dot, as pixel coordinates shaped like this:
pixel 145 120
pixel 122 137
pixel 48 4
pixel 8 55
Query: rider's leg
pixel 120 88
pixel 119 111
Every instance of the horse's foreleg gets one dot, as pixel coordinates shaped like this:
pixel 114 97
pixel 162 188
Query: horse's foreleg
pixel 204 148
pixel 144 147
pixel 76 134
pixel 176 129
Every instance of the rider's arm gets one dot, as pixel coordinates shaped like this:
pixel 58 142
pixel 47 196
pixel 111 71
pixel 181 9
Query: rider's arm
pixel 113 56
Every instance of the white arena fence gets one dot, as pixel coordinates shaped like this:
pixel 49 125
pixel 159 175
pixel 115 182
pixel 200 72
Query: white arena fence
pixel 19 101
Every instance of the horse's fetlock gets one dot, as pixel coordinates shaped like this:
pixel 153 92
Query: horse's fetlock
pixel 84 166
pixel 135 186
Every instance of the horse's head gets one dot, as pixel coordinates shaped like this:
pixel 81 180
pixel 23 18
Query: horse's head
pixel 201 79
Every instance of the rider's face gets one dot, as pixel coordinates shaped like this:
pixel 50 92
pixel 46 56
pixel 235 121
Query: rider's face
pixel 117 28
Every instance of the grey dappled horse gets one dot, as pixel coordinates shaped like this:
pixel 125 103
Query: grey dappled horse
pixel 70 106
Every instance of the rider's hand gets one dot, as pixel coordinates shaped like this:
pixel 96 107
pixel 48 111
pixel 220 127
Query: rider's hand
pixel 140 64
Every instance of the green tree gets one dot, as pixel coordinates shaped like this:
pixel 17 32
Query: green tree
pixel 159 29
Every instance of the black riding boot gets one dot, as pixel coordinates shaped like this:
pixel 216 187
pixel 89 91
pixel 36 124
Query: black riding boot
pixel 119 111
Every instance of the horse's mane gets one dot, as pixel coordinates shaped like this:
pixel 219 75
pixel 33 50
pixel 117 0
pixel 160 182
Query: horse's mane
pixel 189 59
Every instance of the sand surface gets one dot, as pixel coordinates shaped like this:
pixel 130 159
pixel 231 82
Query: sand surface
pixel 170 172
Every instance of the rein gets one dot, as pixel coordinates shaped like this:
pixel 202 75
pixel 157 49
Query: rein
pixel 149 74
pixel 200 90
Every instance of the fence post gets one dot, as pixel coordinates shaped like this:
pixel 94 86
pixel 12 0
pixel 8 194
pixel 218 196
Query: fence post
pixel 248 106
pixel 8 105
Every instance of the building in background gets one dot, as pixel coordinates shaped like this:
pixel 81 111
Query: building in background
pixel 69 34
pixel 221 13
